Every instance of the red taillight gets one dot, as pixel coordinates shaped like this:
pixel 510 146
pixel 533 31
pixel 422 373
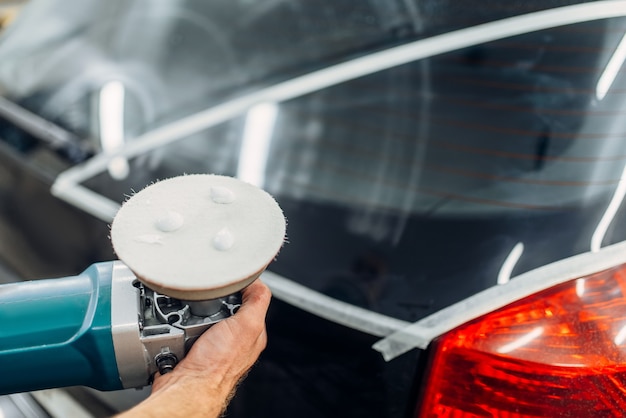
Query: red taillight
pixel 558 353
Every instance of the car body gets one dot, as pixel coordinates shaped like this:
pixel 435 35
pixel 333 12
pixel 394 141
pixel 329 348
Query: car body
pixel 423 153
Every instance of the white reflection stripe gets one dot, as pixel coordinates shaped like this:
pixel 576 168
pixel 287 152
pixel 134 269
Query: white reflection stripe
pixel 255 145
pixel 422 332
pixel 336 74
pixel 111 120
pixel 612 68
pixel 580 287
pixel 111 116
pixel 504 275
pixel 521 341
pixel 609 214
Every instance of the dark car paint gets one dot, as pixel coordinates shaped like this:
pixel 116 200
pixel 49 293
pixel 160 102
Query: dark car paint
pixel 508 97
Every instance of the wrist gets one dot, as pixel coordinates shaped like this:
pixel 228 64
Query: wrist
pixel 183 395
pixel 201 397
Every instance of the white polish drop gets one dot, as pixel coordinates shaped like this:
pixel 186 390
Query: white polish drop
pixel 223 240
pixel 169 222
pixel 149 239
pixel 220 194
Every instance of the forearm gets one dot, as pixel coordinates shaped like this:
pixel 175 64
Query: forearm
pixel 184 398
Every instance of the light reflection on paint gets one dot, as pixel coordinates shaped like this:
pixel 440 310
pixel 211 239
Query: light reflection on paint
pixel 521 342
pixel 255 146
pixel 111 116
pixel 504 275
pixel 611 70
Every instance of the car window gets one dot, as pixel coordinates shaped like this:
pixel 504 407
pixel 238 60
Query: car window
pixel 398 185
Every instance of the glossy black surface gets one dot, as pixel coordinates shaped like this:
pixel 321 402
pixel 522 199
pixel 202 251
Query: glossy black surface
pixel 405 190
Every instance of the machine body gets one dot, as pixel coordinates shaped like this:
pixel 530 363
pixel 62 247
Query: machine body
pixel 101 328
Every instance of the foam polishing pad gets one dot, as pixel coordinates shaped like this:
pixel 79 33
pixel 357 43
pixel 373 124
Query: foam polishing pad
pixel 198 237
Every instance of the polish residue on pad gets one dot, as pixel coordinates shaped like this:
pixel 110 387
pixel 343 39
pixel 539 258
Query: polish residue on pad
pixel 169 222
pixel 223 240
pixel 220 194
pixel 149 239
pixel 199 236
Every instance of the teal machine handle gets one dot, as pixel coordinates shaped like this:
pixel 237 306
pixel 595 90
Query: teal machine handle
pixel 57 332
pixel 102 328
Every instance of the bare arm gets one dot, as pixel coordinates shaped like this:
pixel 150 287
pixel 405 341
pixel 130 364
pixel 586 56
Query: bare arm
pixel 202 384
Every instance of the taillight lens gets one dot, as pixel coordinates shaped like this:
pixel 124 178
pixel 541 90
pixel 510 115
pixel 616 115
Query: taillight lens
pixel 558 353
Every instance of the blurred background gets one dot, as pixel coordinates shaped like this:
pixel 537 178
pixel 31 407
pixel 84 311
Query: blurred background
pixel 407 184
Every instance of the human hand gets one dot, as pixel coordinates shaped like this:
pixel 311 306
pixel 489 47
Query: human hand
pixel 204 381
pixel 229 348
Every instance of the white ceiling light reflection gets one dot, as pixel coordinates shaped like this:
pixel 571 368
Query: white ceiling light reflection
pixel 580 287
pixel 609 214
pixel 255 145
pixel 504 275
pixel 521 341
pixel 111 116
pixel 612 68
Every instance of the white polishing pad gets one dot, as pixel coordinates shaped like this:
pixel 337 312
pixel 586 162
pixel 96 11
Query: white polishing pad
pixel 198 237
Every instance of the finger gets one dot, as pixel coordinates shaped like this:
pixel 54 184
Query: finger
pixel 262 340
pixel 255 299
pixel 250 318
pixel 247 324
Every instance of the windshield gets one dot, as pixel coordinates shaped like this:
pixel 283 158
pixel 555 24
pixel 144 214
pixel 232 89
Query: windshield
pixel 407 184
